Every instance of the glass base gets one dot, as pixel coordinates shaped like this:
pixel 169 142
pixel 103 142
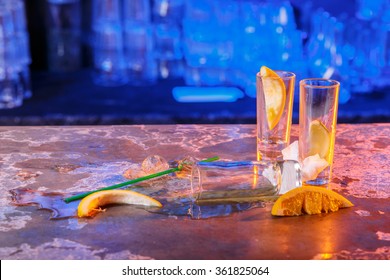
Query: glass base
pixel 269 155
pixel 270 150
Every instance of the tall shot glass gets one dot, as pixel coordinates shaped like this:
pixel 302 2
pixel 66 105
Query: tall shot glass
pixel 318 105
pixel 275 96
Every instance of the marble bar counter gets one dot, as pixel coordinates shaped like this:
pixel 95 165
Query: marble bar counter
pixel 70 159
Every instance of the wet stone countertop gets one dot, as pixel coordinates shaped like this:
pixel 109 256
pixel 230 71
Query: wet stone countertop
pixel 80 158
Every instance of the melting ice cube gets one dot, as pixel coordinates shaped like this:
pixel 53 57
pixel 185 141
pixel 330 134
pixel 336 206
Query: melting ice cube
pixel 291 152
pixel 153 164
pixel 310 167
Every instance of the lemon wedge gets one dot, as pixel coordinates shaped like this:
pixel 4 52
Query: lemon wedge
pixel 275 95
pixel 309 200
pixel 91 205
pixel 319 142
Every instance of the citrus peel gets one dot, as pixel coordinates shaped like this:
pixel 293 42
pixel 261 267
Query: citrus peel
pixel 91 205
pixel 309 200
pixel 274 95
pixel 319 139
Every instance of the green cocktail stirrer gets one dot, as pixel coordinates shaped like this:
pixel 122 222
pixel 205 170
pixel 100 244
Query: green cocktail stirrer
pixel 151 176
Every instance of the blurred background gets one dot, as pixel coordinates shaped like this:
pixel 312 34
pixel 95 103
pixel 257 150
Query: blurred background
pixel 67 62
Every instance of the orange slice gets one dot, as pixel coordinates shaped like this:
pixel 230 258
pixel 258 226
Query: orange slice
pixel 91 205
pixel 309 200
pixel 319 142
pixel 275 95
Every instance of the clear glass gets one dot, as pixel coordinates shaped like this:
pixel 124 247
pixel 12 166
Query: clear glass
pixel 138 42
pixel 105 12
pixel 64 35
pixel 11 90
pixel 270 142
pixel 108 58
pixel 137 11
pixel 234 182
pixel 318 104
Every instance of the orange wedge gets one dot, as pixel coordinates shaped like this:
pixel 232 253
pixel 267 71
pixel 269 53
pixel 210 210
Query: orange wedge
pixel 309 200
pixel 319 139
pixel 275 95
pixel 91 205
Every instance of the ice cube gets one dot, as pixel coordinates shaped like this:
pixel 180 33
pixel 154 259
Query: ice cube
pixel 291 152
pixel 133 173
pixel 312 166
pixel 291 175
pixel 270 174
pixel 153 164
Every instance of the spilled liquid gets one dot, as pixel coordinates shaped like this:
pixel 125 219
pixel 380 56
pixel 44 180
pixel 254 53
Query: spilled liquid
pixel 172 190
pixel 182 206
pixel 52 201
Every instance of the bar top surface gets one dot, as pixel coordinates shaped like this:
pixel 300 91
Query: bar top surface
pixel 70 159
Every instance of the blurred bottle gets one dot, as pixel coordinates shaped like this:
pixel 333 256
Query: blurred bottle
pixel 365 46
pixel 18 13
pixel 209 31
pixel 108 55
pixel 268 36
pixel 369 9
pixel 64 31
pixel 11 86
pixel 326 52
pixel 167 17
pixel 385 21
pixel 138 42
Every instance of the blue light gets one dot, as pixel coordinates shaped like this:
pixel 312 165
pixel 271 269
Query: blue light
pixel 206 94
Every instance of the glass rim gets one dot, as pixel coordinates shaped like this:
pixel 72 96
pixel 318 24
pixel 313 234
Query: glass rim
pixel 287 74
pixel 332 83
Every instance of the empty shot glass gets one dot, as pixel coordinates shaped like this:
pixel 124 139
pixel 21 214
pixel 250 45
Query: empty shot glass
pixel 225 182
pixel 318 104
pixel 275 96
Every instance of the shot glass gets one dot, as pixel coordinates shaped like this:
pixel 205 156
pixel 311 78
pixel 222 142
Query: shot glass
pixel 234 182
pixel 318 105
pixel 275 96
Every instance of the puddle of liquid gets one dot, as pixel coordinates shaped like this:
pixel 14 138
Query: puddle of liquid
pixel 187 207
pixel 172 190
pixel 52 201
pixel 181 206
